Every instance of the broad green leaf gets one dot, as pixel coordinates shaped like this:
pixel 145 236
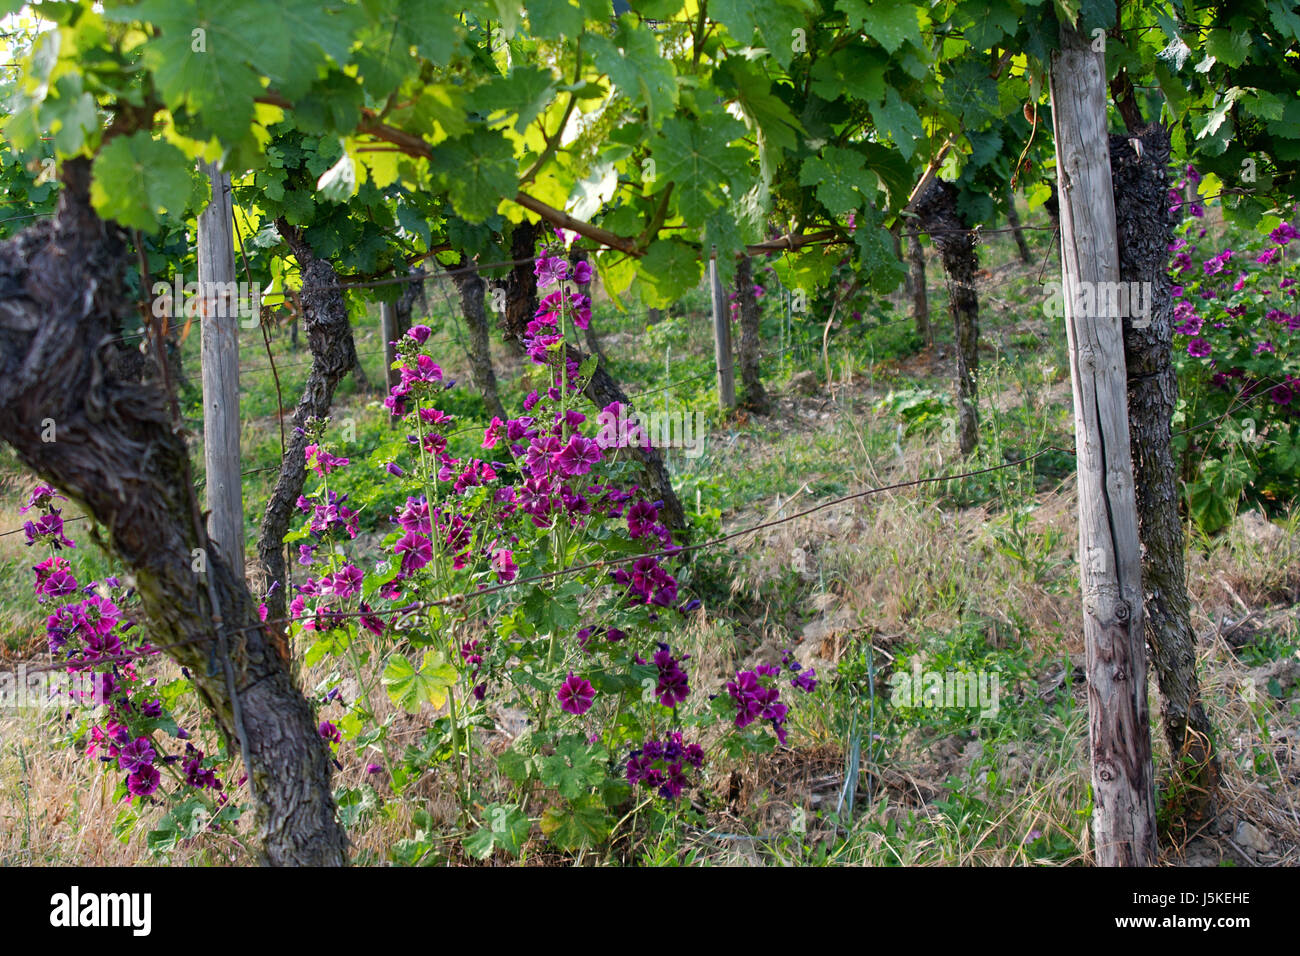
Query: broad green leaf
pixel 696 158
pixel 574 768
pixel 1228 46
pixel 479 171
pixel 667 271
pixel 582 823
pixel 555 19
pixel 876 258
pixel 632 61
pixel 857 72
pixel 899 121
pixel 1285 17
pixel 766 114
pixel 138 180
pixel 890 23
pixel 410 689
pixel 843 182
pixel 523 93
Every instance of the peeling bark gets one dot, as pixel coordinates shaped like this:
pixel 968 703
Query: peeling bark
pixel 916 290
pixel 584 288
pixel 412 292
pixel 120 457
pixel 936 209
pixel 472 289
pixel 1145 231
pixel 333 352
pixel 751 381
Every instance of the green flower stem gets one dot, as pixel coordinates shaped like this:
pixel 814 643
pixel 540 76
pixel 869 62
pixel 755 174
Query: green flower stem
pixel 431 500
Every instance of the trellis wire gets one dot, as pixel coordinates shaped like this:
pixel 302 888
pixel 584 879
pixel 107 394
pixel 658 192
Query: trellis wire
pixel 462 597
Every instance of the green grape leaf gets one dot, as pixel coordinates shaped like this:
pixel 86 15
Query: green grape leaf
pixel 633 63
pixel 765 113
pixel 479 170
pixel 657 9
pixel 555 19
pixel 138 181
pixel 441 110
pixel 71 120
pixel 1285 18
pixel 855 71
pixel 738 16
pixel 991 20
pixel 1228 46
pixel 842 179
pixel 899 121
pixel 782 23
pixel 876 258
pixel 524 92
pixel 198 59
pixel 891 23
pixel 667 271
pixel 696 157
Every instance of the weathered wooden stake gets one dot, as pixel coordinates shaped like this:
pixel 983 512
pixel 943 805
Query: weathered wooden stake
pixel 391 332
pixel 1110 563
pixel 219 334
pixel 722 340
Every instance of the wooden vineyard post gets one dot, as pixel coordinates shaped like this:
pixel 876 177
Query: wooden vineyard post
pixel 389 330
pixel 722 340
pixel 219 348
pixel 1110 564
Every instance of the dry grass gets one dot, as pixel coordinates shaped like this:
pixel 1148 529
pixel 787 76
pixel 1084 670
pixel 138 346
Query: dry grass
pixel 887 571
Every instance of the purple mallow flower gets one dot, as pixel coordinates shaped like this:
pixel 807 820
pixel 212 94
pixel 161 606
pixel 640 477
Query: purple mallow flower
pixel 661 765
pixel 575 695
pixel 143 782
pixel 756 697
pixel 673 686
pixel 136 755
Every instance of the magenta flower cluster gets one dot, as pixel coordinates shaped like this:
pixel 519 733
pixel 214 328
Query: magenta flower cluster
pixel 1227 315
pixel 464 517
pixel 90 629
pixel 757 695
pixel 661 765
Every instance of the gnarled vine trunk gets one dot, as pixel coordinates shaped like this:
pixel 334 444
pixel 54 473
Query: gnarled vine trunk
pixel 333 354
pixel 521 306
pixel 119 455
pixel 936 208
pixel 1141 184
pixel 751 381
pixel 472 289
pixel 584 288
pixel 916 290
pixel 1013 220
pixel 412 292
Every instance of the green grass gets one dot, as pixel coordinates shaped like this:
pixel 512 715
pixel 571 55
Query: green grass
pixel 976 573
